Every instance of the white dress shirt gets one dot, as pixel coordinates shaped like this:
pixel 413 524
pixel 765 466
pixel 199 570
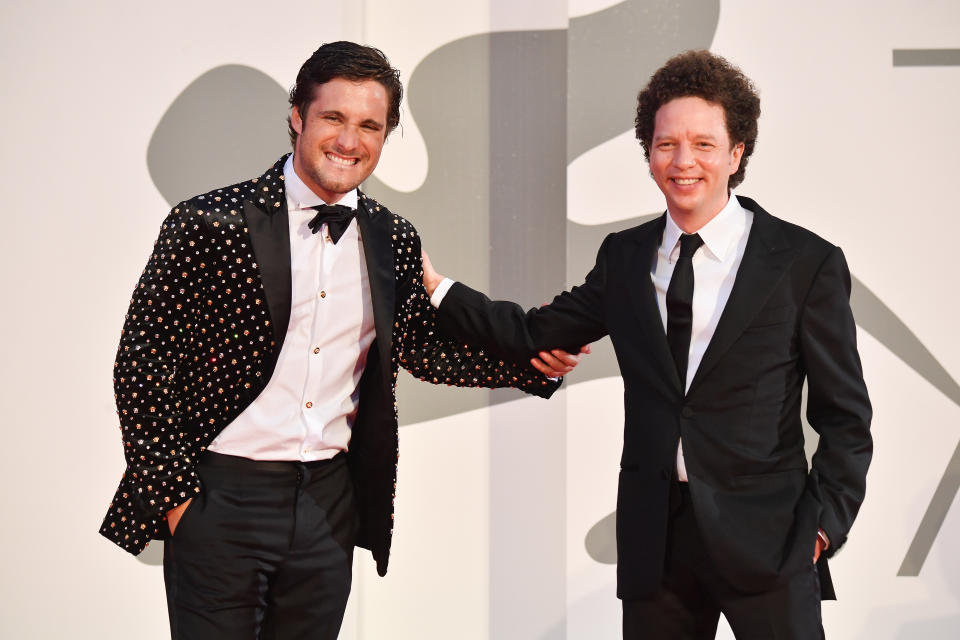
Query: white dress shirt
pixel 715 267
pixel 307 409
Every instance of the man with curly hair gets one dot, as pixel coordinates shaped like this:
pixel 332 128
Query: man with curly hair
pixel 257 369
pixel 719 313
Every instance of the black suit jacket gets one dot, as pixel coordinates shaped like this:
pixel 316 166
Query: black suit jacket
pixel 203 332
pixel 787 321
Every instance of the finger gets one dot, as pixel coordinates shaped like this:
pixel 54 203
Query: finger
pixel 569 359
pixel 550 360
pixel 556 363
pixel 585 349
pixel 173 516
pixel 172 521
pixel 542 368
pixel 546 369
pixel 427 265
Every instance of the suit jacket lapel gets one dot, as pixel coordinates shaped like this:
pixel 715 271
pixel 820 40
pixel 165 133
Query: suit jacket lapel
pixel 765 260
pixel 377 237
pixel 644 298
pixel 266 217
pixel 267 222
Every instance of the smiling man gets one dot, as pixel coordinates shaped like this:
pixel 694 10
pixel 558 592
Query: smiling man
pixel 255 379
pixel 719 313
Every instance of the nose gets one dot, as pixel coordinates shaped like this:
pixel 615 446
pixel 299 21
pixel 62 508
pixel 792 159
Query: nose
pixel 683 156
pixel 348 139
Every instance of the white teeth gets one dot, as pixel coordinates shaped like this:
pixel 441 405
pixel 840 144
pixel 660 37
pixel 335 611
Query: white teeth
pixel 346 162
pixel 686 180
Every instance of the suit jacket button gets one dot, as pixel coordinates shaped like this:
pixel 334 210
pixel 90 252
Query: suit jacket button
pixel 686 412
pixel 665 474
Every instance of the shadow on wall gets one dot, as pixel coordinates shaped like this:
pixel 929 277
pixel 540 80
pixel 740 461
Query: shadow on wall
pixel 922 618
pixel 506 100
pixel 553 95
pixel 224 127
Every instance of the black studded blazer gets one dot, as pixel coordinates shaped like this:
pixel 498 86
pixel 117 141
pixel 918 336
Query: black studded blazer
pixel 205 326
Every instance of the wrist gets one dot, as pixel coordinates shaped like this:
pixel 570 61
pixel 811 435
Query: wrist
pixel 439 292
pixel 431 284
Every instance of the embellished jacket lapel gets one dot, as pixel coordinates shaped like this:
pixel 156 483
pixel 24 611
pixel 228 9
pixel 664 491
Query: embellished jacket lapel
pixel 266 215
pixel 376 233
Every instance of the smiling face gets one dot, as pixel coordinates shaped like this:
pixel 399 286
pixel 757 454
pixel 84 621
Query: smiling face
pixel 340 136
pixel 691 159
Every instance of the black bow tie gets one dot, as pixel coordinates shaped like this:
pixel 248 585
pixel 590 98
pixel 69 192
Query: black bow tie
pixel 336 216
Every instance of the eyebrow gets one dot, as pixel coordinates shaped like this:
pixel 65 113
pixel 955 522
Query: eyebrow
pixel 339 114
pixel 696 136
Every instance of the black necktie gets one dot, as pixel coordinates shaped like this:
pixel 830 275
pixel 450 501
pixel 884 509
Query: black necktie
pixel 336 216
pixel 679 304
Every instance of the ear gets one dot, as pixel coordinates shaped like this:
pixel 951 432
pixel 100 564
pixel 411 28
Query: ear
pixel 735 154
pixel 297 122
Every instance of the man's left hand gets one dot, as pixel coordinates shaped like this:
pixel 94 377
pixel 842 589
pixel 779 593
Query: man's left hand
pixel 431 279
pixel 820 548
pixel 557 362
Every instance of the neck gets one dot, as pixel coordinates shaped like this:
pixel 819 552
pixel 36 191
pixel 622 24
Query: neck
pixel 693 221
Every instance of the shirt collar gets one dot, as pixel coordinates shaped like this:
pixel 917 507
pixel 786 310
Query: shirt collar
pixel 300 196
pixel 719 236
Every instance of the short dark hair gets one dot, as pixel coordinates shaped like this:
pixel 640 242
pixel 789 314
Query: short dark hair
pixel 704 75
pixel 351 61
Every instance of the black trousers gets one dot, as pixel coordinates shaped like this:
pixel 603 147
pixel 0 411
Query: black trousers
pixel 693 594
pixel 264 552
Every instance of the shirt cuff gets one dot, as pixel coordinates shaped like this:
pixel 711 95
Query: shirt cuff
pixel 440 292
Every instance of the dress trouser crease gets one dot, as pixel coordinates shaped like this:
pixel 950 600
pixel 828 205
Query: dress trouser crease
pixel 264 552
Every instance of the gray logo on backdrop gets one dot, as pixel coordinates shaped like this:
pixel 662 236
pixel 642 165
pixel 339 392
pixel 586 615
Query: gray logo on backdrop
pixel 493 109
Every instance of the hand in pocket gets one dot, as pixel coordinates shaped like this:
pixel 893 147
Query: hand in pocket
pixel 174 515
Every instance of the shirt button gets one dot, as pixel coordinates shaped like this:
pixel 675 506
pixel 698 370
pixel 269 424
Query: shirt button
pixel 316 349
pixel 309 405
pixel 323 294
pixel 328 238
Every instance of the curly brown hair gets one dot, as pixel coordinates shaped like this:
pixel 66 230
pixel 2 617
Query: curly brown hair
pixel 348 60
pixel 704 75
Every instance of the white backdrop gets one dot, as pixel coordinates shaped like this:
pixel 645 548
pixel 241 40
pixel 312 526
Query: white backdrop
pixel 851 146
